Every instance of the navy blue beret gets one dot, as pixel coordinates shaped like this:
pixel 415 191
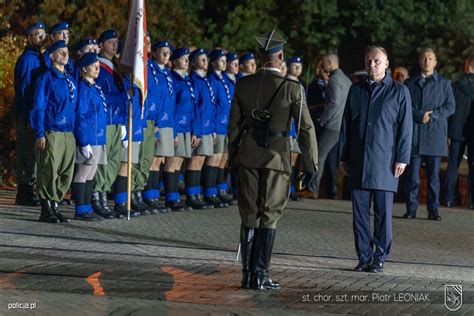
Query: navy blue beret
pixel 179 52
pixel 246 56
pixel 107 34
pixel 85 42
pixel 87 59
pixel 56 45
pixel 35 26
pixel 294 60
pixel 161 44
pixel 60 26
pixel 197 52
pixel 215 54
pixel 231 56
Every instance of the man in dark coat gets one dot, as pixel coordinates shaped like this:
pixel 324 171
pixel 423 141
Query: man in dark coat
pixel 464 96
pixel 374 146
pixel 433 102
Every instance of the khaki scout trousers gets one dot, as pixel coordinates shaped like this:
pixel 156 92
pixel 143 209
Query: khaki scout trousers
pixel 106 174
pixel 25 151
pixel 141 170
pixel 263 194
pixel 56 165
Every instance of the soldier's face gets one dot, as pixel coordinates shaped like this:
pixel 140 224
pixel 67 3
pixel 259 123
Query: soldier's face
pixel 220 64
pixel 249 66
pixel 295 69
pixel 110 46
pixel 60 56
pixel 427 62
pixel 37 37
pixel 162 55
pixel 63 35
pixel 182 63
pixel 91 71
pixel 376 63
pixel 233 67
pixel 201 62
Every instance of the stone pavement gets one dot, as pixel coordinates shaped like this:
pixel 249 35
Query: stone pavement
pixel 184 263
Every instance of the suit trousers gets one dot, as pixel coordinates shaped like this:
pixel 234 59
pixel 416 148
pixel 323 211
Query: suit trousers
pixel 433 164
pixel 326 143
pixel 263 194
pixel 456 151
pixel 382 237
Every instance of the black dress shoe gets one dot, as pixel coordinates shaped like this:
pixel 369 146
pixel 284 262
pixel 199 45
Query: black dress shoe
pixel 362 267
pixel 90 217
pixel 409 216
pixel 376 266
pixel 121 210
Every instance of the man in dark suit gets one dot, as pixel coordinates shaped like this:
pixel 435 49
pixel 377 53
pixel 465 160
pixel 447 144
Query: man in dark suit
pixel 375 144
pixel 433 102
pixel 259 147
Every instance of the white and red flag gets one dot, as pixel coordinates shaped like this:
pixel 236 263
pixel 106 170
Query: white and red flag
pixel 134 55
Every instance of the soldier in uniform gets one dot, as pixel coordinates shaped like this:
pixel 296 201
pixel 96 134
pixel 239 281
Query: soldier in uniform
pixel 27 69
pixel 259 123
pixel 53 117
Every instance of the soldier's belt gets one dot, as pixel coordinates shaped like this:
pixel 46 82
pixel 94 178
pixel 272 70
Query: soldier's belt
pixel 270 132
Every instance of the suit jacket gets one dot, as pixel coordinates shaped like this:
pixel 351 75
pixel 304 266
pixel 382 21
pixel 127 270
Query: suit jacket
pixel 376 133
pixel 336 96
pixel 436 95
pixel 256 91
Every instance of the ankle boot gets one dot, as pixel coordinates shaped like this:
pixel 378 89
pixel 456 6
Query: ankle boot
pixel 247 236
pixel 261 260
pixel 139 197
pixel 139 207
pixel 61 217
pixel 104 202
pixel 99 209
pixel 47 214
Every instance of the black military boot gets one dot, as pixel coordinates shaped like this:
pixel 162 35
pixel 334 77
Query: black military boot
pixel 25 195
pixel 247 238
pixel 176 206
pixel 195 203
pixel 157 205
pixel 214 201
pixel 104 202
pixel 261 261
pixel 99 209
pixel 61 217
pixel 121 209
pixel 139 198
pixel 225 197
pixel 47 215
pixel 138 206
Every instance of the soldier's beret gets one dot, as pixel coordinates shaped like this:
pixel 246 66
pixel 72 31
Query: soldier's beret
pixel 85 42
pixel 197 52
pixel 87 59
pixel 179 52
pixel 60 26
pixel 246 56
pixel 161 44
pixel 215 54
pixel 56 45
pixel 294 60
pixel 107 34
pixel 35 26
pixel 231 56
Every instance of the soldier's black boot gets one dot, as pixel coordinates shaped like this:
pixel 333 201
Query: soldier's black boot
pixel 47 214
pixel 139 198
pixel 261 261
pixel 99 209
pixel 139 207
pixel 25 195
pixel 121 209
pixel 104 202
pixel 247 237
pixel 61 217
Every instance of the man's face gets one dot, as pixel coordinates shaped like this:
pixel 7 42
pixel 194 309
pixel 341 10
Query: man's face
pixel 284 69
pixel 249 66
pixel 60 56
pixel 376 63
pixel 91 48
pixel 37 37
pixel 62 35
pixel 233 67
pixel 162 55
pixel 182 63
pixel 200 62
pixel 110 46
pixel 427 61
pixel 326 65
pixel 295 69
pixel 220 63
pixel 92 71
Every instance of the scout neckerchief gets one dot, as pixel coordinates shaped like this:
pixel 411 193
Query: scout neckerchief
pixel 169 81
pixel 110 67
pixel 70 85
pixel 102 96
pixel 226 87
pixel 154 72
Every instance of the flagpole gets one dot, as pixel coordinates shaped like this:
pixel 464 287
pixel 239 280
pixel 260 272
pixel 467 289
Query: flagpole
pixel 130 142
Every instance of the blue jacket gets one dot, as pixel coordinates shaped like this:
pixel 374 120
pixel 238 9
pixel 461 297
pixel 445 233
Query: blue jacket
pixel 436 95
pixel 28 68
pixel 230 83
pixel 138 122
pixel 184 113
pixel 376 133
pixel 223 100
pixel 91 124
pixel 167 99
pixel 153 102
pixel 113 86
pixel 206 100
pixel 55 102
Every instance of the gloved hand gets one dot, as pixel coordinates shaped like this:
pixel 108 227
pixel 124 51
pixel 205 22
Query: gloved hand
pixel 123 131
pixel 125 143
pixel 86 151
